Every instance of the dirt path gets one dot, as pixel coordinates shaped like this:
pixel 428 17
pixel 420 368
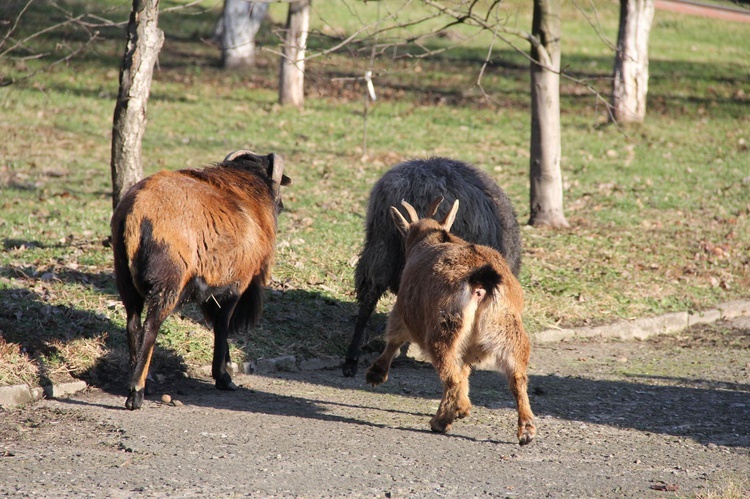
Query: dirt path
pixel 616 419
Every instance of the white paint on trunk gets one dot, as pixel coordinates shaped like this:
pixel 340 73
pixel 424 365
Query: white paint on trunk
pixel 240 23
pixel 630 82
pixel 292 73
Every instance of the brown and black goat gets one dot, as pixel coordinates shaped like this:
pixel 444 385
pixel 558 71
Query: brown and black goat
pixel 461 304
pixel 206 235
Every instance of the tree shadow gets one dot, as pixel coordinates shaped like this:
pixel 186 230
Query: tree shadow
pixel 57 338
pixel 697 413
pixel 708 412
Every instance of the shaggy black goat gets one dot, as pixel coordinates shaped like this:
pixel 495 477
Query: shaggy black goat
pixel 204 234
pixel 487 217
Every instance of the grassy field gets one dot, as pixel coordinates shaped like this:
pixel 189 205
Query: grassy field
pixel 660 213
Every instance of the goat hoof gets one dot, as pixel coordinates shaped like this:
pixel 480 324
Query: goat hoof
pixel 526 434
pixel 440 426
pixel 350 368
pixel 463 411
pixel 135 400
pixel 226 383
pixel 375 377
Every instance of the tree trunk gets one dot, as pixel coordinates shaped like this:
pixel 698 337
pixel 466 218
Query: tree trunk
pixel 292 73
pixel 546 193
pixel 240 23
pixel 143 45
pixel 630 82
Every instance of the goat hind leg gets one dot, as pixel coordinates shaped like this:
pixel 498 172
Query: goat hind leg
pixel 449 409
pixel 157 313
pixel 378 371
pixel 463 406
pixel 395 337
pixel 134 331
pixel 221 358
pixel 518 382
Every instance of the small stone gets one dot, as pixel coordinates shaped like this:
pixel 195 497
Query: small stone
pixel 166 398
pixel 177 403
pixel 712 445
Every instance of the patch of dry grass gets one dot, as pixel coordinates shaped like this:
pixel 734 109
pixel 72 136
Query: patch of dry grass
pixel 660 213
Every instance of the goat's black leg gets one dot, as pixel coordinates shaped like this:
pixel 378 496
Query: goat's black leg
pixel 134 308
pixel 157 313
pixel 221 345
pixel 366 307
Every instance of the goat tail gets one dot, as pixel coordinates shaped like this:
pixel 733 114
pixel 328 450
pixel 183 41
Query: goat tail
pixel 485 277
pixel 249 308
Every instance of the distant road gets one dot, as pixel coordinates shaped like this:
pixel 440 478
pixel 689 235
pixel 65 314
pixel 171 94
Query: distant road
pixel 705 10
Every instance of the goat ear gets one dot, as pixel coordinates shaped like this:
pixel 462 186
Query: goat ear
pixel 434 206
pixel 401 224
pixel 410 210
pixel 450 217
pixel 276 170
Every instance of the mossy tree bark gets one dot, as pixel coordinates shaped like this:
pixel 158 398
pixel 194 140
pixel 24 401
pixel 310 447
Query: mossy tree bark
pixel 546 194
pixel 144 41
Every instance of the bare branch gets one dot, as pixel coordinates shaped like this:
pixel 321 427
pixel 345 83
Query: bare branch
pixel 52 64
pixel 15 24
pixel 596 25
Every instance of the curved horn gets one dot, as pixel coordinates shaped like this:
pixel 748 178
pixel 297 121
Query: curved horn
pixel 276 165
pixel 434 206
pixel 236 154
pixel 411 211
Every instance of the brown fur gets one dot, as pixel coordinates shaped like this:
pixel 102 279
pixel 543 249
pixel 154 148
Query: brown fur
pixel 462 305
pixel 206 235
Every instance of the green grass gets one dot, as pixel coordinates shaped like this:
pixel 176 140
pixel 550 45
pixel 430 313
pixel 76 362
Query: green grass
pixel 660 212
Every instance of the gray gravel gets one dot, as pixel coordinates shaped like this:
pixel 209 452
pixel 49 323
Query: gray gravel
pixel 616 419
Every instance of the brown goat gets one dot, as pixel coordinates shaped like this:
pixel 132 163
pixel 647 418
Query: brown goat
pixel 461 304
pixel 206 235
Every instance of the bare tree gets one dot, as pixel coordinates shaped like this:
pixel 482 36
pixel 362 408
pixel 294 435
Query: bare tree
pixel 236 30
pixel 546 195
pixel 144 41
pixel 630 82
pixel 292 72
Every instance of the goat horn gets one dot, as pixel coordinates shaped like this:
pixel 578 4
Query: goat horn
pixel 434 206
pixel 236 154
pixel 278 176
pixel 411 211
pixel 447 222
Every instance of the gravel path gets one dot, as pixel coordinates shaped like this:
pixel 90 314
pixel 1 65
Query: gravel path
pixel 616 419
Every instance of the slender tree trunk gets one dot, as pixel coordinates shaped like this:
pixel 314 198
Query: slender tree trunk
pixel 630 82
pixel 546 193
pixel 240 23
pixel 292 73
pixel 143 45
